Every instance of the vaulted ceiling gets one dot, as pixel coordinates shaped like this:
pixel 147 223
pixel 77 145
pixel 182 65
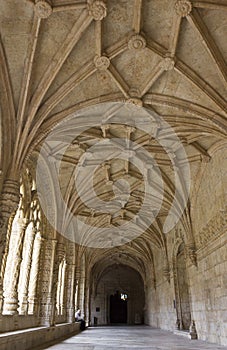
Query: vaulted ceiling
pixel 167 56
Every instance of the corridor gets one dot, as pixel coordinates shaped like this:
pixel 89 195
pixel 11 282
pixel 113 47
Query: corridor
pixel 134 337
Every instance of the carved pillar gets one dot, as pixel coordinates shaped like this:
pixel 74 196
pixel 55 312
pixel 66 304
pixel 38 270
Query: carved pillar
pixel 47 305
pixel 86 301
pixel 33 278
pixel 14 258
pixel 25 269
pixel 82 294
pixel 70 293
pixel 63 289
pixel 59 279
pixel 9 203
pixel 77 291
pixel 71 285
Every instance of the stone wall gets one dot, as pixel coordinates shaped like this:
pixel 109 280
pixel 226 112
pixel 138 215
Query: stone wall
pixel 207 281
pixel 208 295
pixel 32 338
pixel 209 291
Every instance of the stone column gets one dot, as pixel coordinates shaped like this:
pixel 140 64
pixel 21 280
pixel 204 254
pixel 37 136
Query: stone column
pixel 71 283
pixel 10 285
pixel 64 288
pixel 25 269
pixel 82 293
pixel 47 305
pixel 60 279
pixel 86 301
pixel 77 278
pixel 9 203
pixel 70 304
pixel 33 278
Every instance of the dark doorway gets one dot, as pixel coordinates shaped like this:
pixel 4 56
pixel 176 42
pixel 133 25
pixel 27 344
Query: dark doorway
pixel 118 308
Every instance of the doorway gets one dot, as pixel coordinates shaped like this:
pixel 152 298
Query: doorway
pixel 118 308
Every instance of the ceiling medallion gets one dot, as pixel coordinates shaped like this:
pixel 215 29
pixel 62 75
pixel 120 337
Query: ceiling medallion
pixel 168 63
pixel 137 42
pixel 43 9
pixel 97 9
pixel 183 7
pixel 101 62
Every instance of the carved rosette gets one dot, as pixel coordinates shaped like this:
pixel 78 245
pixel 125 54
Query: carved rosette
pixel 136 42
pixel 183 7
pixel 97 9
pixel 102 62
pixel 168 63
pixel 43 9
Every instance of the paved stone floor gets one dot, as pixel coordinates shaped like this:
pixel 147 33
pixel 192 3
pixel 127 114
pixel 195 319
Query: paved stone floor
pixel 134 337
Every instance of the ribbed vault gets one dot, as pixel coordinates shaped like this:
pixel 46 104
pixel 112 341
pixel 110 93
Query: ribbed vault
pixel 58 57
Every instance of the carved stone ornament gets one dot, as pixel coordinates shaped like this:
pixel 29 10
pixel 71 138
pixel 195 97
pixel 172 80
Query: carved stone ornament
pixel 101 62
pixel 213 229
pixel 97 9
pixel 43 9
pixel 192 256
pixel 137 42
pixel 183 7
pixel 137 102
pixel 9 198
pixel 192 330
pixel 168 63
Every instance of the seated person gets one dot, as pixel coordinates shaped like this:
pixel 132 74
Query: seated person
pixel 80 319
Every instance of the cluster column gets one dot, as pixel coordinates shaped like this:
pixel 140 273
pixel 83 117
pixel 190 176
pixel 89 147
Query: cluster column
pixel 25 268
pixel 33 278
pixel 47 305
pixel 71 285
pixel 9 203
pixel 12 270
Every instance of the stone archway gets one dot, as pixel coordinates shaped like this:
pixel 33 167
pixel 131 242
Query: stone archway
pixel 118 282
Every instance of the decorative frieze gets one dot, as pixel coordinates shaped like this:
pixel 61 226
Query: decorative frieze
pixel 213 229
